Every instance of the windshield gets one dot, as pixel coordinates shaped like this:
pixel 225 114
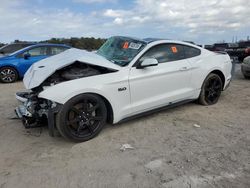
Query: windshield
pixel 18 51
pixel 121 50
pixel 5 48
pixel 13 49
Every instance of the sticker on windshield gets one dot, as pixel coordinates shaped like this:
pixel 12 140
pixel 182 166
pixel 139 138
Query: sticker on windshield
pixel 135 46
pixel 125 45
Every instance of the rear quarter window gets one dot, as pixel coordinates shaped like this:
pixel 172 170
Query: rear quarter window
pixel 191 51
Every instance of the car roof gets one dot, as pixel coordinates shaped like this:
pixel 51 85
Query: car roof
pixel 145 40
pixel 150 40
pixel 39 45
pixel 49 44
pixel 22 43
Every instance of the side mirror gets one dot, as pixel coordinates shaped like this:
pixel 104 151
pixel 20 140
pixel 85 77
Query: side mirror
pixel 149 62
pixel 26 56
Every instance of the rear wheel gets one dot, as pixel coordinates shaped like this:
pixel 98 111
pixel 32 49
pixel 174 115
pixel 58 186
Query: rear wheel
pixel 211 90
pixel 8 75
pixel 82 117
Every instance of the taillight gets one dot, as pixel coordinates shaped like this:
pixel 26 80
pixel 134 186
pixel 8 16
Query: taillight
pixel 247 50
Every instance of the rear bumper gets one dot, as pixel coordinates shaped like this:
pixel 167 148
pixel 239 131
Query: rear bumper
pixel 227 86
pixel 227 83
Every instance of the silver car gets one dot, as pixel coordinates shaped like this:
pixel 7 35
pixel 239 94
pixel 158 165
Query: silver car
pixel 245 67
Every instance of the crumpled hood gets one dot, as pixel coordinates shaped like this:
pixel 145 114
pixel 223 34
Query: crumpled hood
pixel 41 70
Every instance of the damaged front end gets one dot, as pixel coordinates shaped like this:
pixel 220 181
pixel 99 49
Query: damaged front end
pixel 36 112
pixel 70 65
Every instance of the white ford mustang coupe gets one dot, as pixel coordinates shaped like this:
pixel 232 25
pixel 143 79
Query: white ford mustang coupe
pixel 77 92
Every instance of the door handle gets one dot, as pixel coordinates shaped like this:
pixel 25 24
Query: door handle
pixel 184 68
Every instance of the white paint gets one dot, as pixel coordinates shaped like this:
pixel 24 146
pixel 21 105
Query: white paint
pixel 146 89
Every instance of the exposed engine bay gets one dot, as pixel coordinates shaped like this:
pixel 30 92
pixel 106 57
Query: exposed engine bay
pixel 37 112
pixel 75 71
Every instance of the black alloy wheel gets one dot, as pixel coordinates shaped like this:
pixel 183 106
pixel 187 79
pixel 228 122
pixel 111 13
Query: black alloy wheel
pixel 8 75
pixel 82 117
pixel 211 90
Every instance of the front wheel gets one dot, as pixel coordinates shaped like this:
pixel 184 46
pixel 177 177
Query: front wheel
pixel 211 90
pixel 8 75
pixel 82 117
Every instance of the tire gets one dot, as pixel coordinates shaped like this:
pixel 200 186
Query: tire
pixel 211 90
pixel 246 77
pixel 8 75
pixel 82 118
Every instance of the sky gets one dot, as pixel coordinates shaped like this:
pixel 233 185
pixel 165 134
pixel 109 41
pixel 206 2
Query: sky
pixel 201 21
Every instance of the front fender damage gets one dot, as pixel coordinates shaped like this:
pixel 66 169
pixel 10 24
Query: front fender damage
pixel 40 105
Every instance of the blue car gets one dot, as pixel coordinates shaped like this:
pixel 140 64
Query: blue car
pixel 14 66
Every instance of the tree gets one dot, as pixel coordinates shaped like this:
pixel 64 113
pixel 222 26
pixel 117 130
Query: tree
pixel 81 43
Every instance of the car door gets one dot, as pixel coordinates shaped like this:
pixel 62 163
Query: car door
pixel 27 58
pixel 157 86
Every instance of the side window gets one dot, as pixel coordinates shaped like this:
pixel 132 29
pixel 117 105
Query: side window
pixel 191 51
pixel 56 50
pixel 165 53
pixel 40 51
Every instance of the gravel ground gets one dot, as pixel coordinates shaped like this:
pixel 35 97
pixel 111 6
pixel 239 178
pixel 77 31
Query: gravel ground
pixel 187 146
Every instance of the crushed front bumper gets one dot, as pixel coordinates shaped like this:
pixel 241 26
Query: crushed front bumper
pixel 22 111
pixel 28 120
pixel 22 98
pixel 31 118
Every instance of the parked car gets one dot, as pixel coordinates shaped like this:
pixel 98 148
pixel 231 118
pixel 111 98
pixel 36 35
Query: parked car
pixel 16 64
pixel 241 51
pixel 245 67
pixel 237 51
pixel 221 47
pixel 77 91
pixel 10 48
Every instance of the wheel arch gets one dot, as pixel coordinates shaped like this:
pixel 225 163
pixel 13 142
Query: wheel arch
pixel 220 74
pixel 108 105
pixel 61 93
pixel 14 67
